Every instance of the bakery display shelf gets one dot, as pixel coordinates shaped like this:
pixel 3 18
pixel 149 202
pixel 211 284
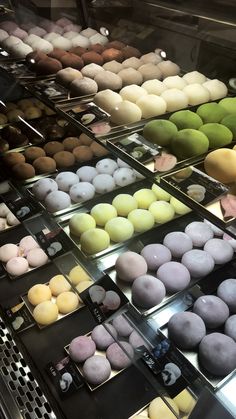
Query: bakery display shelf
pixel 63 221
pixel 20 71
pixel 208 285
pixel 177 184
pixel 106 263
pixel 79 366
pixel 61 316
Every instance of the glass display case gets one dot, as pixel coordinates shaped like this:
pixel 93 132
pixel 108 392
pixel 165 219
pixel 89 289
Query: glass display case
pixel 117 263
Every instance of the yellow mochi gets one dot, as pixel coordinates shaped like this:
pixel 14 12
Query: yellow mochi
pixel 124 204
pixel 158 409
pixel 45 313
pixel 59 284
pixel 144 197
pixel 78 274
pixel 185 401
pixel 39 293
pixel 67 301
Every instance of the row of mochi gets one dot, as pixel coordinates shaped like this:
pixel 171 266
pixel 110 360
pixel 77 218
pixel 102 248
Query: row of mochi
pixel 154 98
pixel 19 259
pixel 7 218
pixel 210 329
pixel 69 187
pixel 93 78
pixel 175 262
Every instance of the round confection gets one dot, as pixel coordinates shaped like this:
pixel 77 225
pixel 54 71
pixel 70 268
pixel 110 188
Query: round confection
pixel 32 153
pixel 132 93
pixel 136 340
pixel 80 41
pixel 96 370
pixel 98 150
pixel 168 68
pixel 111 301
pixel 129 52
pixel 81 348
pixel 124 204
pixel 94 241
pixel 39 293
pixel 43 187
pixel 64 159
pixel 132 63
pixel 119 229
pixel 11 159
pixel 175 99
pixel 130 76
pixel 220 250
pixel 194 77
pixel 216 88
pixel 97 294
pixel 213 311
pixel 48 66
pixel 82 286
pixel 196 94
pixel 216 230
pixel 230 240
pixel 124 176
pixel 150 72
pixel 141 219
pixel 174 82
pixel 115 44
pixel 103 183
pixel 35 56
pixel 147 291
pixel 186 329
pixel 178 243
pixel 107 166
pixel 230 327
pixel 37 257
pixel 72 27
pixel 44 165
pixel 198 262
pixel 23 171
pixel 102 337
pixel 199 233
pixel 145 197
pixel 151 105
pixel 154 87
pixel 4 210
pixel 156 255
pixel 217 354
pixel 72 60
pixel 151 57
pixel 158 408
pixel 98 48
pixel 8 251
pixel 174 276
pixel 59 284
pixel 54 132
pixel 57 201
pixel 78 274
pixel 36 30
pixel 14 115
pixel 112 54
pixel 119 355
pixel 41 45
pixel 3 35
pixel 63 21
pixel 53 147
pixel 67 75
pixel 107 99
pixel 91 70
pixel 2 224
pixel 49 37
pixel 17 266
pixel 82 87
pixel 79 223
pixel 185 401
pixel 98 39
pixel 92 57
pixel 85 139
pixel 67 301
pixel 61 42
pixel 227 292
pixel 70 34
pixel 78 50
pixel 87 173
pixel 125 113
pixel 88 32
pixel 28 243
pixel 82 153
pixel 81 192
pixel 122 326
pixel 130 265
pixel 70 143
pixel 12 220
pixel 45 313
pixel 108 80
pixel 113 66
pixel 102 213
pixel 57 53
pixel 65 180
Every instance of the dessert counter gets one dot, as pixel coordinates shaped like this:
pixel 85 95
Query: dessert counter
pixel 117 215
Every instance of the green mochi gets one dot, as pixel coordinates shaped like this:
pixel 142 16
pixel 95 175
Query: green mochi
pixel 186 119
pixel 211 112
pixel 189 143
pixel 159 131
pixel 217 134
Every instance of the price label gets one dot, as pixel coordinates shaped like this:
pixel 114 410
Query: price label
pixel 65 376
pixel 55 243
pixel 22 208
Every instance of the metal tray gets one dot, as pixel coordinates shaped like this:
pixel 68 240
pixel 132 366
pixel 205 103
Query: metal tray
pixel 30 307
